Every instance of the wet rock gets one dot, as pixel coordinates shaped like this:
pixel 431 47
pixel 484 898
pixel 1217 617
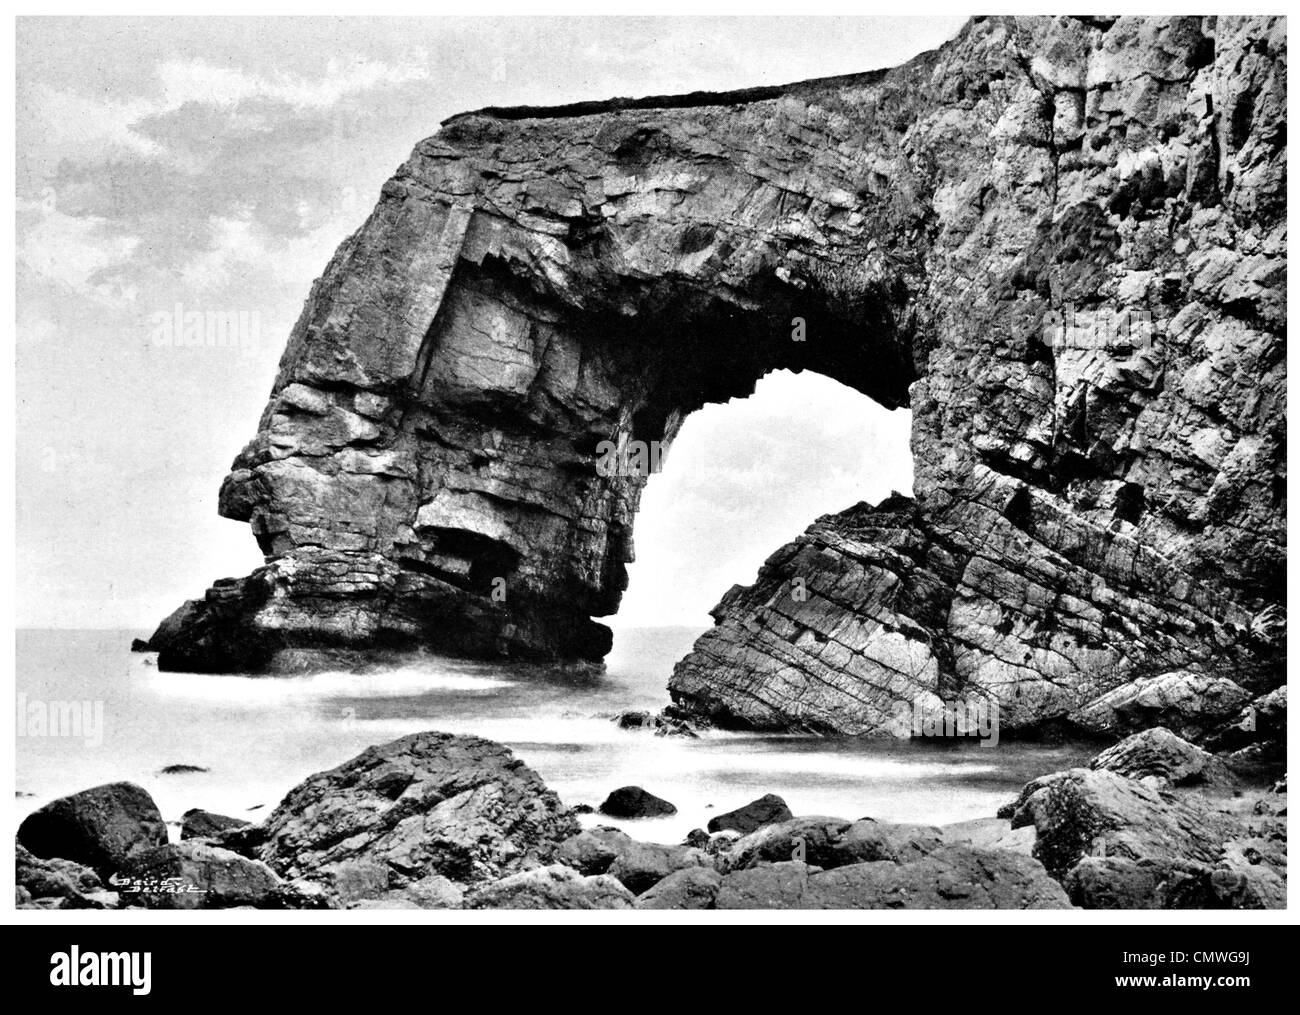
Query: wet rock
pixel 661 725
pixel 766 810
pixel 200 824
pixel 698 838
pixel 102 828
pixel 687 888
pixel 553 887
pixel 635 802
pixel 428 803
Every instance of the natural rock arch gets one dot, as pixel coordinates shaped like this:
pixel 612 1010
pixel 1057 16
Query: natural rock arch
pixel 533 282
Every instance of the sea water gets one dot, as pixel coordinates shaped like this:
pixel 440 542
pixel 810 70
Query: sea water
pixel 257 737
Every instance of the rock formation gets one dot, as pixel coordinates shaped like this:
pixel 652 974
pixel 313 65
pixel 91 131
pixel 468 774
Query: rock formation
pixel 1060 241
pixel 437 821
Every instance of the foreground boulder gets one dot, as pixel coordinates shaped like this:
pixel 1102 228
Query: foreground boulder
pixel 57 884
pixel 832 842
pixel 102 828
pixel 1114 842
pixel 642 865
pixel 196 875
pixel 634 802
pixel 687 888
pixel 952 877
pixel 637 865
pixel 429 803
pixel 766 810
pixel 553 887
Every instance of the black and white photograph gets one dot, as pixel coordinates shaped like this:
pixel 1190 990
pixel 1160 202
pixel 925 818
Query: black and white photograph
pixel 490 466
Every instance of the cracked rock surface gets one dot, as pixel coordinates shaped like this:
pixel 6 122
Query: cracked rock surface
pixel 1060 241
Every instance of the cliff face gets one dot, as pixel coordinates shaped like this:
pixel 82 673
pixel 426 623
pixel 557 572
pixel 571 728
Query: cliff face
pixel 961 234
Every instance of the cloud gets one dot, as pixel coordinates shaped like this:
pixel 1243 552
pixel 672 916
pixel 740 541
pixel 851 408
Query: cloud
pixel 195 80
pixel 76 252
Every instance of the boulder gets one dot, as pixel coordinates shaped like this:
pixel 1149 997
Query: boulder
pixel 201 824
pixel 102 828
pixel 635 802
pixel 432 892
pixel 990 833
pixel 810 840
pixel 196 875
pixel 429 803
pixel 553 887
pixel 74 885
pixel 779 885
pixel 698 838
pixel 831 842
pixel 1185 703
pixel 1168 758
pixel 766 810
pixel 951 877
pixel 592 850
pixel 868 840
pixel 641 865
pixel 1143 848
pixel 687 888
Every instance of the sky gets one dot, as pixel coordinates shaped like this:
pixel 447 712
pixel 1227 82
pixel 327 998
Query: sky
pixel 169 165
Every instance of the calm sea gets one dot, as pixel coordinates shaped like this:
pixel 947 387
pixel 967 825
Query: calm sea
pixel 259 736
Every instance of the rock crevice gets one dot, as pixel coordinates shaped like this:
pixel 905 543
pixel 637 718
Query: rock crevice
pixel 1060 241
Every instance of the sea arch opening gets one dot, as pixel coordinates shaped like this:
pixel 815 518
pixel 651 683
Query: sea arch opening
pixel 747 475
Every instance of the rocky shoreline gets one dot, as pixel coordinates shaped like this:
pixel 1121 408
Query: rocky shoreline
pixel 441 821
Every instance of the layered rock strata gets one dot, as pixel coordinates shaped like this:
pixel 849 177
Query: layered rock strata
pixel 1060 241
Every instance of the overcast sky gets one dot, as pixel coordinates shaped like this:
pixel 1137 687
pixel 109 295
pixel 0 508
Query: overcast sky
pixel 216 163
